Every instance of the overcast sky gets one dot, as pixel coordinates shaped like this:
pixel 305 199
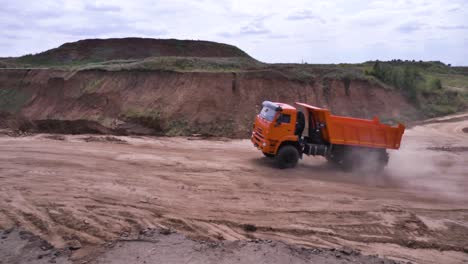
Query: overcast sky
pixel 322 31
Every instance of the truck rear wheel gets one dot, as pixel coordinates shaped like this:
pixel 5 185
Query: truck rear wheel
pixel 369 160
pixel 287 157
pixel 358 158
pixel 382 159
pixel 351 160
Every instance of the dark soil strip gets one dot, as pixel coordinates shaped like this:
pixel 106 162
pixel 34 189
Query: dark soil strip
pixel 450 120
pixel 449 149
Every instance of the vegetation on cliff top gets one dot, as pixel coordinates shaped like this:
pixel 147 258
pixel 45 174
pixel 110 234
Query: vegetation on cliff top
pixel 434 87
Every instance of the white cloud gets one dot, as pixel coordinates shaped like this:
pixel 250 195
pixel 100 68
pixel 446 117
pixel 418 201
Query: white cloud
pixel 318 31
pixel 305 14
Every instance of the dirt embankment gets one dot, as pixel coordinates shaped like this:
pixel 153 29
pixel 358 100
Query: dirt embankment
pixel 175 103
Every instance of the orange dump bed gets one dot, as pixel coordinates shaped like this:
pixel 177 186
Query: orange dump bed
pixel 355 131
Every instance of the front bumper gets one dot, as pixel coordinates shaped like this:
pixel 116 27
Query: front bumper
pixel 261 143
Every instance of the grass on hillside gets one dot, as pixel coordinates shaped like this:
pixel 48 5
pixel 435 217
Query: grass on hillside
pixel 180 64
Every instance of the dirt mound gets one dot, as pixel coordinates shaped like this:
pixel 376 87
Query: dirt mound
pixel 105 139
pixel 91 50
pixel 69 127
pixel 55 137
pixel 15 123
pixel 18 124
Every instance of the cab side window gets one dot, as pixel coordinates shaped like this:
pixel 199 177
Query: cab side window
pixel 284 118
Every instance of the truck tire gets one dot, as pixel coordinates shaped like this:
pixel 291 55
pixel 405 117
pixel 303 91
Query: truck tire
pixel 287 157
pixel 382 161
pixel 359 158
pixel 343 157
pixel 268 155
pixel 351 160
pixel 339 157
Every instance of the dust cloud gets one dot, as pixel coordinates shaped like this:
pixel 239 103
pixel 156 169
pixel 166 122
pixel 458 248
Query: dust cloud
pixel 416 165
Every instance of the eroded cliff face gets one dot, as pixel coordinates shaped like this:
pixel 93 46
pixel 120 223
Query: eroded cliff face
pixel 163 102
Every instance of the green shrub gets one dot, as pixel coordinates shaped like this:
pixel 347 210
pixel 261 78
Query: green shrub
pixel 416 81
pixel 435 84
pixel 406 78
pixel 150 119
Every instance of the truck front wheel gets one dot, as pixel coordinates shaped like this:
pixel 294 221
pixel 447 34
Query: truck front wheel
pixel 287 157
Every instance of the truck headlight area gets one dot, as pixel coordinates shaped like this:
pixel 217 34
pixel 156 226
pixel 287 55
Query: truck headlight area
pixel 264 144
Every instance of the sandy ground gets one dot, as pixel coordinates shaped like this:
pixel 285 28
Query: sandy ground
pixel 88 190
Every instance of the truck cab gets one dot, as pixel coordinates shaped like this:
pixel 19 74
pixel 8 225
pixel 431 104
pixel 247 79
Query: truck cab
pixel 277 125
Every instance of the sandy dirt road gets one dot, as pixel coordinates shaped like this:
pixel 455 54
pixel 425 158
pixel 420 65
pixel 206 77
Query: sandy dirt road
pixel 88 189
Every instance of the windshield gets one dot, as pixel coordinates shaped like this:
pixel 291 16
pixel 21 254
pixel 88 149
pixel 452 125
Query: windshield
pixel 268 113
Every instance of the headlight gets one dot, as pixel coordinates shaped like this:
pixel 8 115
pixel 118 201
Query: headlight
pixel 264 144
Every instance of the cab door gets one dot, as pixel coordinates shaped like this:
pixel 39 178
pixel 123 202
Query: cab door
pixel 284 125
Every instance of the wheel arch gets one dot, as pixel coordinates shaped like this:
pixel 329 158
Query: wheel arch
pixel 290 143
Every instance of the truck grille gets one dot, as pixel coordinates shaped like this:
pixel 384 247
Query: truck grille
pixel 258 132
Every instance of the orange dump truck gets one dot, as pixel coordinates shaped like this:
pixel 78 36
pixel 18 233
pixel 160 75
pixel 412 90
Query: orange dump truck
pixel 285 133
